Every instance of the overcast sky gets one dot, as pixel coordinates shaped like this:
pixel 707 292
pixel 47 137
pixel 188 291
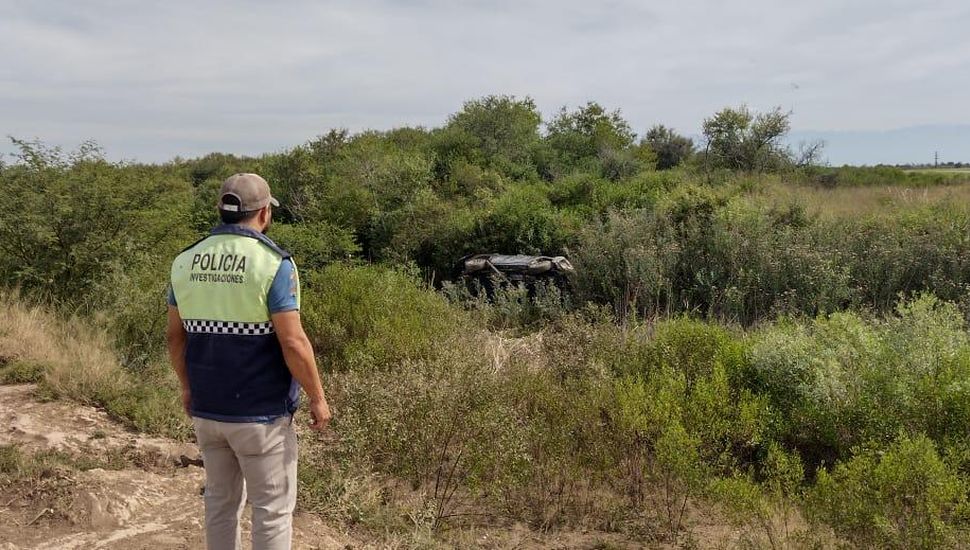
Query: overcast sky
pixel 153 79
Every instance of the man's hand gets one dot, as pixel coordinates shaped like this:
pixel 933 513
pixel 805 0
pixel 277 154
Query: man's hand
pixel 319 414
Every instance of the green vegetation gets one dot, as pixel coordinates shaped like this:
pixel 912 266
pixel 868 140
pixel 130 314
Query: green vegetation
pixel 781 345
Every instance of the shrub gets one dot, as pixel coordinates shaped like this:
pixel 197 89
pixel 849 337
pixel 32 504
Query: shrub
pixel 425 428
pixel 861 176
pixel 569 454
pixel 511 306
pixel 79 218
pixel 904 497
pixel 700 252
pixel 626 262
pixel 741 140
pixel 923 250
pixel 580 138
pixel 670 147
pixel 765 513
pixel 389 173
pixel 15 371
pixel 546 453
pixel 314 245
pixel 844 381
pixel 502 129
pixel 591 196
pixel 735 258
pixel 372 317
pixel 135 307
pixel 429 231
pixel 522 221
pixel 680 419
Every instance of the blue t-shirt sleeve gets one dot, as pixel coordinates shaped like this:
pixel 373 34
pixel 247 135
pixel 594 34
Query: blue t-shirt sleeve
pixel 284 293
pixel 171 297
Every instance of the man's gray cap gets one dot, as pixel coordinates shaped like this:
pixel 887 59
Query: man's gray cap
pixel 245 193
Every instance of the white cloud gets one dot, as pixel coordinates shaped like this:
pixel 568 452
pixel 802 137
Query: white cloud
pixel 152 80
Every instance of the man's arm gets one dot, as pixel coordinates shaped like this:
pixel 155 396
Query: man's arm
pixel 302 364
pixel 176 353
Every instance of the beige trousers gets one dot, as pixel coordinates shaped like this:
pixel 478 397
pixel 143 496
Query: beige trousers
pixel 254 458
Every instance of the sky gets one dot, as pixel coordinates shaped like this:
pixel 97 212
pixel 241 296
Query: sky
pixel 879 81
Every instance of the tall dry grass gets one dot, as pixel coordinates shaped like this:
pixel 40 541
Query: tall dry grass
pixel 850 202
pixel 76 360
pixel 69 358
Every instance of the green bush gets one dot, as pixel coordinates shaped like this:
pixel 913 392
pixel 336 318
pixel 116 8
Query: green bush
pixel 766 513
pixel 581 139
pixel 391 174
pixel 512 306
pixel 314 245
pixel 426 428
pixel 679 417
pixel 570 453
pixel 626 262
pixel 844 381
pixel 498 132
pixel 923 250
pixel 903 497
pixel 372 317
pixel 522 221
pixel 546 453
pixel 152 404
pixel 734 257
pixel 431 232
pixel 591 196
pixel 80 218
pixel 703 253
pixel 135 310
pixel 20 372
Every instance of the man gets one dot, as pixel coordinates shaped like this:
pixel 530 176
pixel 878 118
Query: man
pixel 238 347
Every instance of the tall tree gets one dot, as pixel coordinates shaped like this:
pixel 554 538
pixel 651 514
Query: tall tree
pixel 582 137
pixel 741 140
pixel 670 147
pixel 497 131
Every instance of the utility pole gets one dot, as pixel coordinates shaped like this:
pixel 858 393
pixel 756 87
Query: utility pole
pixel 936 159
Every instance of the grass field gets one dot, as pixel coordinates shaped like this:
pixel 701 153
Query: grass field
pixel 842 202
pixel 939 171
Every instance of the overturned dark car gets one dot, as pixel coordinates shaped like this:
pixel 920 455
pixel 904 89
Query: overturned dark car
pixel 490 270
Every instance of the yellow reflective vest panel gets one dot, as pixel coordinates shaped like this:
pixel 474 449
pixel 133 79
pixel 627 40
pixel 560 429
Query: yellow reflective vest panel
pixel 236 368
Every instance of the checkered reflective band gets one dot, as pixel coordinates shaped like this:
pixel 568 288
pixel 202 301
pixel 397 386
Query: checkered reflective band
pixel 228 327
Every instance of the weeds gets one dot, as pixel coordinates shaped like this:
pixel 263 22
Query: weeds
pixel 68 358
pixel 903 497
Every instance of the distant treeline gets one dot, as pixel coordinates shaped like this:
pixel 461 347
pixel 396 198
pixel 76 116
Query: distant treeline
pixel 927 166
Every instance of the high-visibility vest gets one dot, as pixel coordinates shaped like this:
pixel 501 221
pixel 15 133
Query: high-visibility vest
pixel 236 368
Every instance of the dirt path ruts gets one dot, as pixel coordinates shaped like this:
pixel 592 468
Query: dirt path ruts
pixel 159 507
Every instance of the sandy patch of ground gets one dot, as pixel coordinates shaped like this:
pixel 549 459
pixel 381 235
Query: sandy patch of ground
pixel 158 506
